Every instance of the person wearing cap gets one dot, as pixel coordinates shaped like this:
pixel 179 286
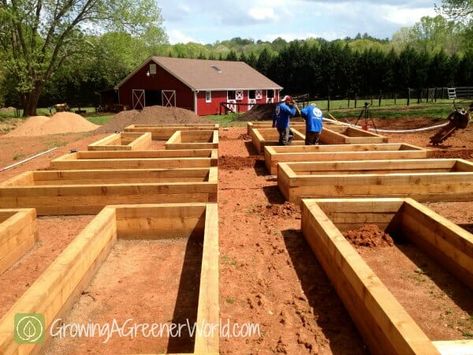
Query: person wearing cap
pixel 281 119
pixel 313 122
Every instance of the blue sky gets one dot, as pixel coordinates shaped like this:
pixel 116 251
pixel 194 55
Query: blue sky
pixel 207 21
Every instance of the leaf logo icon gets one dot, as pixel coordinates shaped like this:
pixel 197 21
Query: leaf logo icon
pixel 29 328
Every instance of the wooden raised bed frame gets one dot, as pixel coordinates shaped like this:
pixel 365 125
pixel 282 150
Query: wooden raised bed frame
pixel 138 159
pixel 164 132
pixel 298 123
pixel 61 284
pixel 122 141
pixel 193 140
pixel 333 134
pixel 421 179
pixel 278 154
pixel 385 325
pixel 17 235
pixel 69 192
pixel 262 137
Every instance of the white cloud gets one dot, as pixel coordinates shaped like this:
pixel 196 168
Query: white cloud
pixel 405 16
pixel 177 36
pixel 262 14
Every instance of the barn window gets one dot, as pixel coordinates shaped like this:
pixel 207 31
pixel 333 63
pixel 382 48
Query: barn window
pixel 270 94
pixel 152 69
pixel 252 94
pixel 208 96
pixel 259 94
pixel 231 95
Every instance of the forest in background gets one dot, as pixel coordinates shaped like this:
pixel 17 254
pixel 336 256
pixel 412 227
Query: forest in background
pixel 436 52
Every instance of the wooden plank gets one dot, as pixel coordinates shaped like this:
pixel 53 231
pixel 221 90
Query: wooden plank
pixel 122 141
pixel 444 241
pixel 341 152
pixel 208 309
pixel 86 192
pixel 422 179
pixel 454 347
pixel 18 234
pixel 56 290
pixel 193 140
pixel 48 294
pixel 386 327
pixel 164 132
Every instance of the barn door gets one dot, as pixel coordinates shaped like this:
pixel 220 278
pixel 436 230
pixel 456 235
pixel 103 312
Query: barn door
pixel 138 99
pixel 168 98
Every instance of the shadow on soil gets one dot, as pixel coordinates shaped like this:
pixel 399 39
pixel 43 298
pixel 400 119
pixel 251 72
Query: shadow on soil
pixel 188 295
pixel 251 148
pixel 330 314
pixel 273 195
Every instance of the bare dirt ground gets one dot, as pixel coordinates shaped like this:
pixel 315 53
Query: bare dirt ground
pixel 54 234
pixel 268 274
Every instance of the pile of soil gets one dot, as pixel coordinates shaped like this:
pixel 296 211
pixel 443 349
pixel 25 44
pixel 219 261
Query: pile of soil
pixel 369 236
pixel 285 210
pixel 259 112
pixel 61 122
pixel 151 115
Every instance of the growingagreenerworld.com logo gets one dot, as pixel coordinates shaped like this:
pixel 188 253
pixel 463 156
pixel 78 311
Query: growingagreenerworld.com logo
pixel 29 328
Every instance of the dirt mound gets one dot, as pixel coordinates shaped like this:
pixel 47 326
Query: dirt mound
pixel 62 122
pixel 258 112
pixel 151 115
pixel 368 236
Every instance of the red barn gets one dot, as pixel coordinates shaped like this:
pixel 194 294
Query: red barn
pixel 197 85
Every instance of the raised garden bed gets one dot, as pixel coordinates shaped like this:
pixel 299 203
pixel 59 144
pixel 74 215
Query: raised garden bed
pixel 384 323
pixel 164 132
pixel 68 192
pixel 278 154
pixel 62 284
pixel 422 179
pixel 142 159
pixel 122 141
pixel 262 137
pixel 333 134
pixel 193 140
pixel 298 123
pixel 17 235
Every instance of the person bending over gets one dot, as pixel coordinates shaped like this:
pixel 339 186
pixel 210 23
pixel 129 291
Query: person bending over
pixel 282 117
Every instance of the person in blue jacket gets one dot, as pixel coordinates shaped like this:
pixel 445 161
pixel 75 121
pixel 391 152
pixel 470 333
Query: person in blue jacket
pixel 313 122
pixel 281 119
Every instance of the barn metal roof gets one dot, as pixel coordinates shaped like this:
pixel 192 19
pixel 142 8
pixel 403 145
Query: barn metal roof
pixel 202 74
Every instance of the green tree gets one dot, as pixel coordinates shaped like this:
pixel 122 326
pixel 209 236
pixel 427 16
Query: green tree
pixel 38 37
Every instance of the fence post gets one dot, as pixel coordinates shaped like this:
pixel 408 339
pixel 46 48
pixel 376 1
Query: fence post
pixel 395 98
pixel 328 103
pixel 379 100
pixel 408 96
pixel 356 98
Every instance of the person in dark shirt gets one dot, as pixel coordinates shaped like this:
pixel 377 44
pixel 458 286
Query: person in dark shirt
pixel 282 119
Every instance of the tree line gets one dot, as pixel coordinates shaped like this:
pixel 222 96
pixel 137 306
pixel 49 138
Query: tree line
pixel 51 53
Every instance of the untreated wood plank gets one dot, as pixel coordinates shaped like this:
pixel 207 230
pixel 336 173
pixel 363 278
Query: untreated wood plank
pixel 340 152
pixel 88 191
pixel 193 140
pixel 386 327
pixel 18 234
pixel 164 132
pixel 421 179
pixel 122 141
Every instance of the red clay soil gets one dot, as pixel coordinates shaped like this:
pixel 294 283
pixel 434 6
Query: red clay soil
pixel 164 273
pixel 268 274
pixel 440 304
pixel 369 236
pixel 54 234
